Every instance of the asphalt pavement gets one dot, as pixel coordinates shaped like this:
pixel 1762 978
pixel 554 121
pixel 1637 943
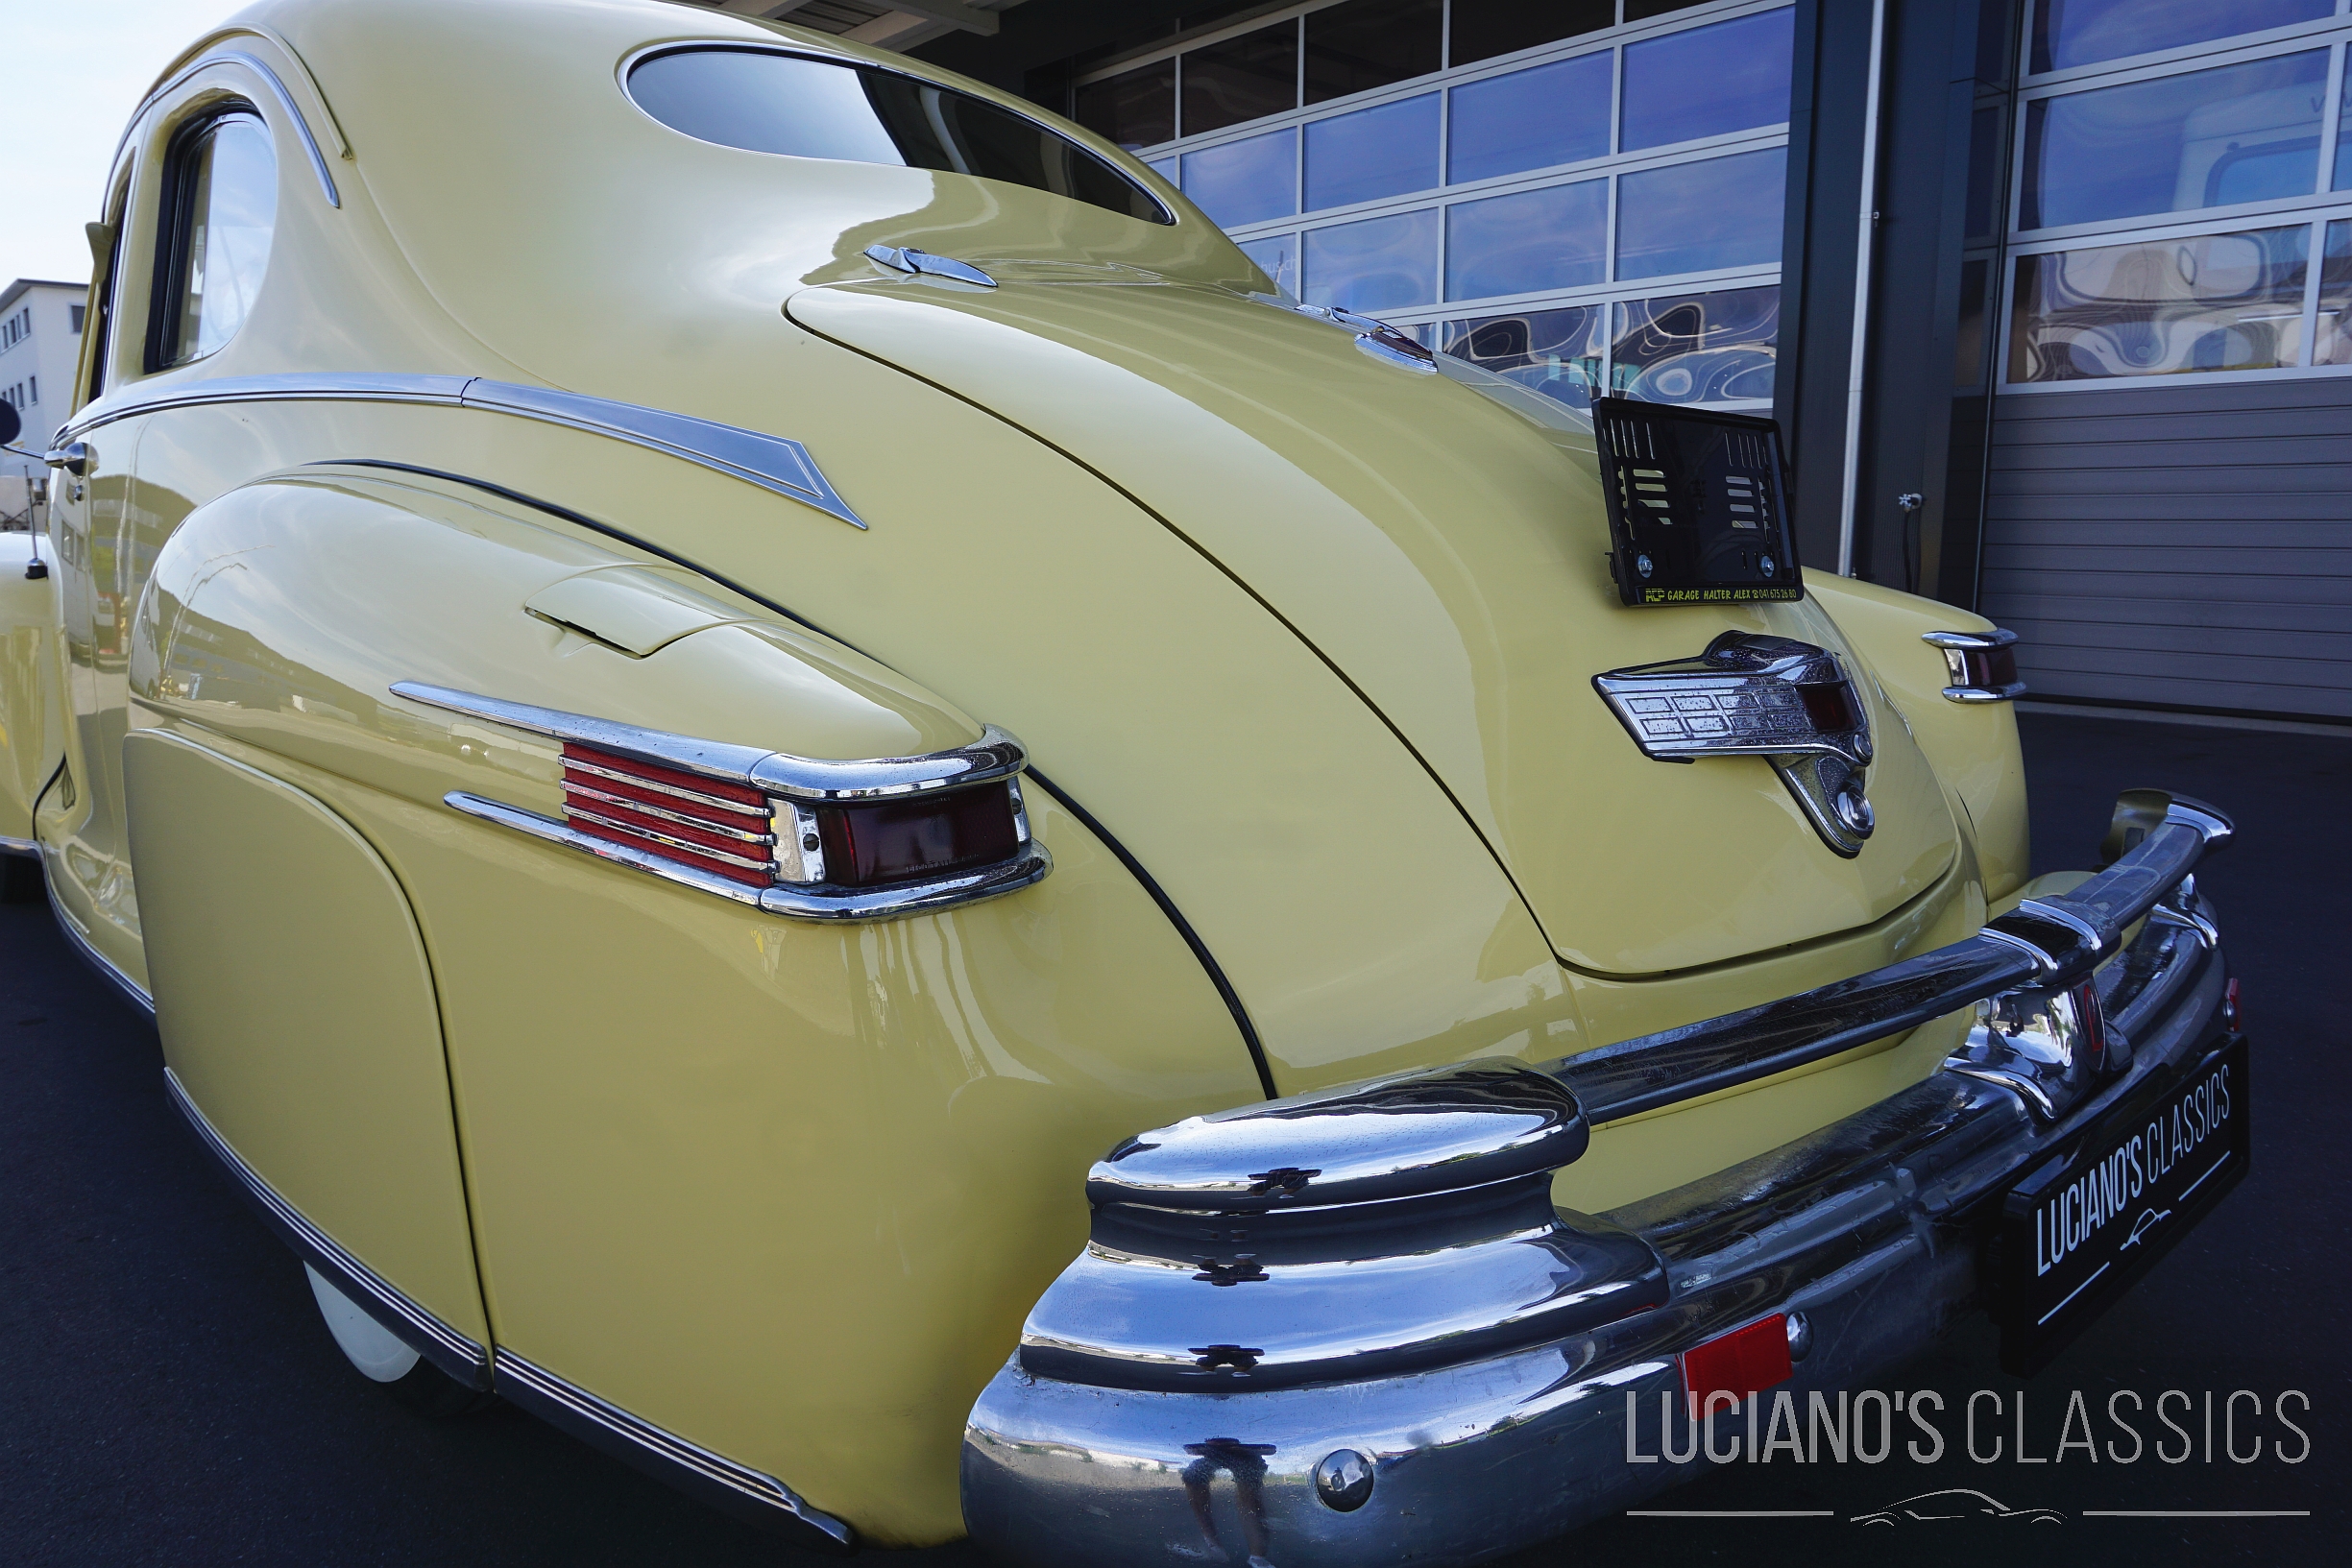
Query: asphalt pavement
pixel 169 1395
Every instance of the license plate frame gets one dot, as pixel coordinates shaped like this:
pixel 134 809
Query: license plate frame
pixel 2083 1227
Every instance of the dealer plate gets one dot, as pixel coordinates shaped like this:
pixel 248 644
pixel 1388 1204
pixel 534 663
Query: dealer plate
pixel 2081 1227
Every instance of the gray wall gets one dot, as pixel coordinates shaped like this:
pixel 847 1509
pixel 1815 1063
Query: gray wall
pixel 2181 547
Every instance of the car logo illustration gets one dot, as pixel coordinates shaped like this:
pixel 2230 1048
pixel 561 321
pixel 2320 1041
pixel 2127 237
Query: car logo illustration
pixel 1956 1502
pixel 2149 1219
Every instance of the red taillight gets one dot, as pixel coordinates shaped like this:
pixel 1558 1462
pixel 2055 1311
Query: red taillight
pixel 1988 670
pixel 930 836
pixel 711 826
pixel 2229 1005
pixel 1744 1362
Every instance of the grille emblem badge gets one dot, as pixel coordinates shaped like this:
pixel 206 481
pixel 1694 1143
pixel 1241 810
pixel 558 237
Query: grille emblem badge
pixel 1788 702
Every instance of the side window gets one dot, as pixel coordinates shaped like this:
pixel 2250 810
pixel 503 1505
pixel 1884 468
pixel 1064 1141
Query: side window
pixel 220 203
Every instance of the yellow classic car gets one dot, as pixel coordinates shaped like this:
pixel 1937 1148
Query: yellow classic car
pixel 800 779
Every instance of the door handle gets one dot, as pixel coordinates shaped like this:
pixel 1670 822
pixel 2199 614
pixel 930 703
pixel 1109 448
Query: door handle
pixel 75 457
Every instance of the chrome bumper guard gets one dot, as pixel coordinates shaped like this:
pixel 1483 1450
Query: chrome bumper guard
pixel 1352 1328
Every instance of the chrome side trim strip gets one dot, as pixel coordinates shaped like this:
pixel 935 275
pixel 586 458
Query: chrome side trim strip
pixel 766 865
pixel 435 1340
pixel 995 755
pixel 773 463
pixel 770 462
pixel 748 1494
pixel 130 989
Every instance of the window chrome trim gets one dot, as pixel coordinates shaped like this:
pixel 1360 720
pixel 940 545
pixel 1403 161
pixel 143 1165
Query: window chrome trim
pixel 751 1495
pixel 452 1352
pixel 278 87
pixel 19 846
pixel 773 463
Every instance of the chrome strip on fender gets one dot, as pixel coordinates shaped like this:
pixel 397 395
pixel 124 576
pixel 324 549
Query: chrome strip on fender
pixel 750 1494
pixel 995 755
pixel 773 463
pixel 428 1336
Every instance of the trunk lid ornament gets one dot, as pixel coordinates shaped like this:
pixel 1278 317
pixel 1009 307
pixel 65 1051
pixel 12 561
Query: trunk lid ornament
pixel 1749 695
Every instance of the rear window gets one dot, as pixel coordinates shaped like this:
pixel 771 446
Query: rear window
pixel 765 102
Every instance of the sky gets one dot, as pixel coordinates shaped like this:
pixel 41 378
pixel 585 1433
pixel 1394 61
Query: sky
pixel 75 70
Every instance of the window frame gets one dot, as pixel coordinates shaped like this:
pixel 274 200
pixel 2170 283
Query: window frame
pixel 166 292
pixel 2316 209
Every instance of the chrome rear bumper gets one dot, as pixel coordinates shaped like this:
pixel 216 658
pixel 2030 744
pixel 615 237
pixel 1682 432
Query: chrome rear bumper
pixel 1332 1330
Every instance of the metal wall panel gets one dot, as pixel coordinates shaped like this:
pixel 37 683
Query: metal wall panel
pixel 2185 546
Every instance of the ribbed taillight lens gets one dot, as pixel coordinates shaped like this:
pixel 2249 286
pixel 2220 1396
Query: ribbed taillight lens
pixel 715 827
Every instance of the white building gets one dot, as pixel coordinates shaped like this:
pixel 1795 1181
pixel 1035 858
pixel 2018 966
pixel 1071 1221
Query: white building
pixel 40 339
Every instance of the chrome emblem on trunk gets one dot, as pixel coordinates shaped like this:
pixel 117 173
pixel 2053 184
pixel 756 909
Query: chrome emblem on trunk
pixel 1747 695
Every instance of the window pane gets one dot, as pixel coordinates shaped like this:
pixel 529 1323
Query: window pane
pixel 1485 28
pixel 764 103
pixel 1240 79
pixel 2159 307
pixel 1539 239
pixel 1556 114
pixel 1135 108
pixel 2333 344
pixel 1557 352
pixel 1378 264
pixel 1697 348
pixel 1706 82
pixel 1968 342
pixel 1373 152
pixel 2070 32
pixel 1167 169
pixel 1246 181
pixel 231 206
pixel 1363 44
pixel 1641 11
pixel 2344 142
pixel 2207 139
pixel 1277 258
pixel 1692 217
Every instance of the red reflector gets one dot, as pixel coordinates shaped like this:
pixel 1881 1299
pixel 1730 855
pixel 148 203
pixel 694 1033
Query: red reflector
pixel 1991 669
pixel 1742 1363
pixel 1832 706
pixel 2229 1004
pixel 927 836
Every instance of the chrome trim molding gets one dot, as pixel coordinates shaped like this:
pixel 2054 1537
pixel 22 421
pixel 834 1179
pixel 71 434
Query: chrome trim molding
pixel 1225 1333
pixel 19 846
pixel 773 463
pixel 905 259
pixel 302 126
pixel 748 1494
pixel 797 889
pixel 1376 338
pixel 460 1356
pixel 995 755
pixel 270 78
pixel 102 966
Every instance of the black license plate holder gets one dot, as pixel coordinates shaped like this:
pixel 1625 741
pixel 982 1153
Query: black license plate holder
pixel 1698 505
pixel 2084 1225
